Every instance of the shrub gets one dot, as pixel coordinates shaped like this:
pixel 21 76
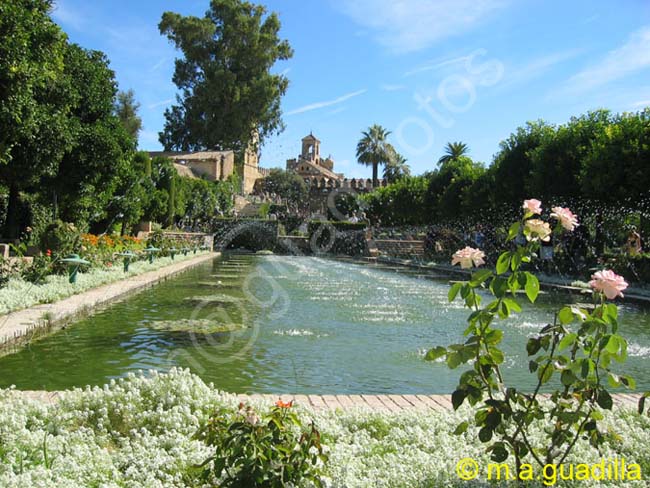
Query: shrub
pixel 36 272
pixel 273 450
pixel 60 238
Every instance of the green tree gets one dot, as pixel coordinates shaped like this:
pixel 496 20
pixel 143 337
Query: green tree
pixel 373 149
pixel 399 203
pixel 287 185
pixel 133 192
pixel 100 150
pixel 228 95
pixel 616 166
pixel 126 109
pixel 449 186
pixel 34 133
pixel 563 152
pixel 513 164
pixel 453 151
pixel 162 170
pixel 396 168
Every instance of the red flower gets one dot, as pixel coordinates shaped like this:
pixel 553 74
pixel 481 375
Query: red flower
pixel 282 404
pixel 48 253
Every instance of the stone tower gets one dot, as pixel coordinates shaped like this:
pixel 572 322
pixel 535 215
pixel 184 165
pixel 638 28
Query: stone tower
pixel 310 149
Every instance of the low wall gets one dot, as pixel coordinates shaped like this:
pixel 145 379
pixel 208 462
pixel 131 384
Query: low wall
pixel 400 248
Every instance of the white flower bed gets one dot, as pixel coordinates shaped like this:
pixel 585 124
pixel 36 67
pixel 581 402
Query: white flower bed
pixel 138 432
pixel 19 294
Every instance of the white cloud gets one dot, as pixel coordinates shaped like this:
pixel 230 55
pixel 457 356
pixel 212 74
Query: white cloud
pixel 317 105
pixel 631 57
pixel 160 103
pixel 158 65
pixel 641 104
pixel 437 64
pixel 537 67
pixel 412 25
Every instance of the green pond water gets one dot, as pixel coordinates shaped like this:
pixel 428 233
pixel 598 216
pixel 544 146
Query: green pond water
pixel 275 324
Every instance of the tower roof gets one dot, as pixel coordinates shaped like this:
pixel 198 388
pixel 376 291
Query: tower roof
pixel 310 137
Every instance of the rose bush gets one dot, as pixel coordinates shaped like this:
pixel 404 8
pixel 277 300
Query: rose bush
pixel 578 350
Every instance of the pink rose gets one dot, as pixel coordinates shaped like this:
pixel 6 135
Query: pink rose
pixel 533 206
pixel 568 220
pixel 538 229
pixel 609 283
pixel 468 257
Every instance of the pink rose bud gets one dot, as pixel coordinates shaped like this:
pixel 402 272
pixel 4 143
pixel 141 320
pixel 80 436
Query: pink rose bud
pixel 533 206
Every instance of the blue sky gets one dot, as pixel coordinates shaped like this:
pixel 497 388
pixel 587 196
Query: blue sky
pixel 431 71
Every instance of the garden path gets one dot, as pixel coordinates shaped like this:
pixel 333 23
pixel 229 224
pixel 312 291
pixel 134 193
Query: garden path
pixel 378 403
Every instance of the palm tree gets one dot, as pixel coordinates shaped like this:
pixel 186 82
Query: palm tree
pixel 373 149
pixel 396 167
pixel 453 151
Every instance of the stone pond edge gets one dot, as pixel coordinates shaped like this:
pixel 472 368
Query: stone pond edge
pixel 22 326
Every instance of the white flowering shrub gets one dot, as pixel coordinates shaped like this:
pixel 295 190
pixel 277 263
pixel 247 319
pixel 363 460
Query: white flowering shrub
pixel 18 293
pixel 140 431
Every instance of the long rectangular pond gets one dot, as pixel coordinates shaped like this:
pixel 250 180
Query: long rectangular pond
pixel 290 325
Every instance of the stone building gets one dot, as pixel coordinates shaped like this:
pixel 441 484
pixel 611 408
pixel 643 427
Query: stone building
pixel 321 179
pixel 309 164
pixel 211 165
pixel 216 166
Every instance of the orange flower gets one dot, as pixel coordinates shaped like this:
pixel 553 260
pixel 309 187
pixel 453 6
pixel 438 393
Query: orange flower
pixel 282 404
pixel 90 240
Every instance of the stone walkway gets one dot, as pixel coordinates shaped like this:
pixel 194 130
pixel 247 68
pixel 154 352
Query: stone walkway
pixel 16 327
pixel 393 403
pixel 378 403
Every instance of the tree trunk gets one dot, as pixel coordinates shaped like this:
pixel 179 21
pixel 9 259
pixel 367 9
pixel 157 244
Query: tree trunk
pixel 11 224
pixel 375 170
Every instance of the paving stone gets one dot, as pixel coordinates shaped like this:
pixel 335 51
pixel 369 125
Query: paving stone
pixel 380 403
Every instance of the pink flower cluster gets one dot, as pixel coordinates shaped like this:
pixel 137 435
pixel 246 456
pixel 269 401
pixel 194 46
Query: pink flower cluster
pixel 564 216
pixel 468 257
pixel 609 283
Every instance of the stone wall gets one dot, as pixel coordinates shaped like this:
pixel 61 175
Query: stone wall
pixel 400 248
